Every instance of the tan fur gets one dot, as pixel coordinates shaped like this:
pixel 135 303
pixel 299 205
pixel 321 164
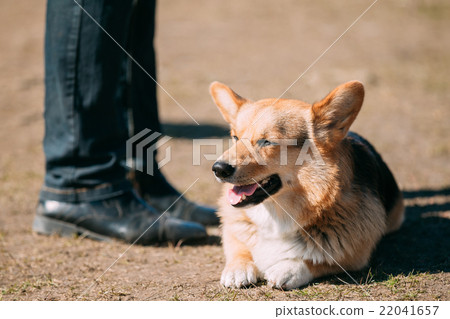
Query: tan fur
pixel 323 223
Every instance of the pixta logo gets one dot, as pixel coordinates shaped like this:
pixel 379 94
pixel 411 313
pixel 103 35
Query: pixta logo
pixel 141 151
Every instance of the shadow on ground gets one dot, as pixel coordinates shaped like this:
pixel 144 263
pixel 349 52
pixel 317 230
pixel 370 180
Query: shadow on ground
pixel 423 242
pixel 191 131
pixel 211 240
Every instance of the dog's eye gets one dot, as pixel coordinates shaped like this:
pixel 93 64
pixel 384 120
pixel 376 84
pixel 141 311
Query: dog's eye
pixel 263 142
pixel 235 138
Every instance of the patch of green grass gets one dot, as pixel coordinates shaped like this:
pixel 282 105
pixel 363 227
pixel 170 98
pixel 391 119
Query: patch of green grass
pixel 319 291
pixel 392 283
pixel 412 295
pixel 226 294
pixel 175 297
pixel 308 292
pixel 370 277
pixel 406 287
pixel 441 149
pixel 15 288
pixel 25 286
pixel 435 11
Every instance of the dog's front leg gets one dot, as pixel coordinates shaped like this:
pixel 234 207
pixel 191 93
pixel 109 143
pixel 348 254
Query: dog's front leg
pixel 240 270
pixel 288 274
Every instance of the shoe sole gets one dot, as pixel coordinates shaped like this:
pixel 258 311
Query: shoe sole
pixel 49 226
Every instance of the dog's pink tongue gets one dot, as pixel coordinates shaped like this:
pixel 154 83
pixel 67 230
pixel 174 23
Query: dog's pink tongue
pixel 235 193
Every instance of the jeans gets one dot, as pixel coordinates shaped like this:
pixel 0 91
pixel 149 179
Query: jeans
pixel 95 96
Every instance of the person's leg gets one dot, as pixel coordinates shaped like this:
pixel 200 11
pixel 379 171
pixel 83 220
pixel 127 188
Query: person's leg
pixel 154 188
pixel 86 190
pixel 85 123
pixel 142 97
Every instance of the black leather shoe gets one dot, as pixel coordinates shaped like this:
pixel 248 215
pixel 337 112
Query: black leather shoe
pixel 125 217
pixel 183 209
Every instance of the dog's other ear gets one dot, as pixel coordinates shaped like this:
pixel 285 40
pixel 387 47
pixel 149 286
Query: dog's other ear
pixel 226 100
pixel 333 115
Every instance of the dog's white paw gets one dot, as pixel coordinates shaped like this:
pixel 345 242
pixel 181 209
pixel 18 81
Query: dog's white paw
pixel 288 274
pixel 239 275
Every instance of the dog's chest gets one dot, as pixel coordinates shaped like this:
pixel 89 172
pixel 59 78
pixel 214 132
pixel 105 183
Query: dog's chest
pixel 278 236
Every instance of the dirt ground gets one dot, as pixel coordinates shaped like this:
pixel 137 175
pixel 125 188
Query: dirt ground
pixel 399 49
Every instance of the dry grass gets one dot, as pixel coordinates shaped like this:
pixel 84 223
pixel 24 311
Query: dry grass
pixel 400 50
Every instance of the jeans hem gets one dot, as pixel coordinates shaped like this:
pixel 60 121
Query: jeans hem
pixel 75 195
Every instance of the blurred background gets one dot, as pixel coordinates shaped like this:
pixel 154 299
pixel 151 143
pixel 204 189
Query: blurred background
pixel 400 50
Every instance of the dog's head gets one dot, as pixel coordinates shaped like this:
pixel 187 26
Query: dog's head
pixel 279 143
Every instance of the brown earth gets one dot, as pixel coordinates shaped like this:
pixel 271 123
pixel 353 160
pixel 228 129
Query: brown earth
pixel 399 49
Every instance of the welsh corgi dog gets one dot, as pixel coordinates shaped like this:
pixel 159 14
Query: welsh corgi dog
pixel 290 214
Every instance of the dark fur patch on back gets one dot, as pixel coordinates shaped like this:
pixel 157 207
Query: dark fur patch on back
pixel 371 171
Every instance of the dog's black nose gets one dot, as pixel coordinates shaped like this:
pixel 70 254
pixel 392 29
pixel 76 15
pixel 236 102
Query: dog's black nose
pixel 222 169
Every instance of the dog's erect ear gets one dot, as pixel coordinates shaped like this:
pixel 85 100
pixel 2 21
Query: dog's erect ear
pixel 226 100
pixel 333 115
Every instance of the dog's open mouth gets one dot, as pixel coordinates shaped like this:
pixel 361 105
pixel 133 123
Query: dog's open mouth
pixel 253 194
